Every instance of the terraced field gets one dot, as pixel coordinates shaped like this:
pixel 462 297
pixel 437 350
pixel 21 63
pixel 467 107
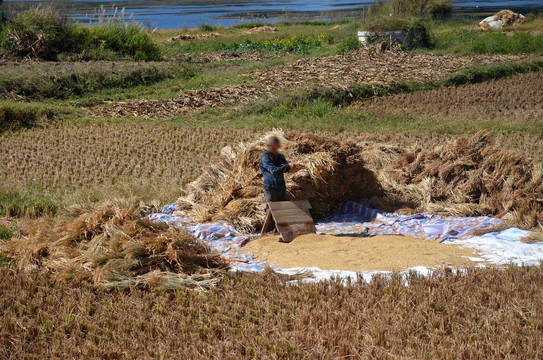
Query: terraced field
pixel 515 99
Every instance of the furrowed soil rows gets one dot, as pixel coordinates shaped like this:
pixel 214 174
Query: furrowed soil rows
pixel 519 98
pixel 362 67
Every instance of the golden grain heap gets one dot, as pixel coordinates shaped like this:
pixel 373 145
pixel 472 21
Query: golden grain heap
pixel 115 246
pixel 231 190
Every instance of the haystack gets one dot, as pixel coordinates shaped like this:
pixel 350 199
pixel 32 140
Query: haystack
pixel 468 177
pixel 260 30
pixel 114 246
pixel 502 18
pixel 231 190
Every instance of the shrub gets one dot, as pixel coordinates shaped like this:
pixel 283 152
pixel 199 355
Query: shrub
pixel 438 9
pixel 40 32
pixel 350 44
pixel 416 36
pixel 206 27
pixel 124 39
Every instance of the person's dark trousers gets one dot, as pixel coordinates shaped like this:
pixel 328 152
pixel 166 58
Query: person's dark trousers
pixel 271 195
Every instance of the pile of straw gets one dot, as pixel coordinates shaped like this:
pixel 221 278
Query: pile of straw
pixel 471 176
pixel 232 190
pixel 113 246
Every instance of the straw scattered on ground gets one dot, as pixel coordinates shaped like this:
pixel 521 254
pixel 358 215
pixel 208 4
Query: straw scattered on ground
pixel 112 245
pixel 381 252
pixel 339 71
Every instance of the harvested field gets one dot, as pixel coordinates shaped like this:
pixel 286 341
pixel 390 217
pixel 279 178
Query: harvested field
pixel 188 101
pixel 362 67
pixel 188 37
pixel 519 98
pixel 111 245
pixel 65 157
pixel 381 252
pixel 488 313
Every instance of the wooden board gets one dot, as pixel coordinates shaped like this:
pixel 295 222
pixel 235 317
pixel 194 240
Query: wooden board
pixel 292 218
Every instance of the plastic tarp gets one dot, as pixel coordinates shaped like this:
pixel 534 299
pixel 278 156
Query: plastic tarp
pixel 360 219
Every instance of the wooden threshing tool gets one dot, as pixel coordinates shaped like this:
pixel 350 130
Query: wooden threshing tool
pixel 292 219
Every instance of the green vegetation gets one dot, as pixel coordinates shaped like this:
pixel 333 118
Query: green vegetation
pixel 14 116
pixel 43 33
pixel 492 42
pixel 82 80
pixel 206 27
pixel 5 234
pixel 13 204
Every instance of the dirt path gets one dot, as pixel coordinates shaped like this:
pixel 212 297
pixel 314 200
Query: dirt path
pixel 356 253
pixel 362 67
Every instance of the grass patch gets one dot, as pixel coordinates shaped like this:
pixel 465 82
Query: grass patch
pixel 5 234
pixel 14 204
pixel 116 40
pixel 492 42
pixel 14 116
pixel 84 80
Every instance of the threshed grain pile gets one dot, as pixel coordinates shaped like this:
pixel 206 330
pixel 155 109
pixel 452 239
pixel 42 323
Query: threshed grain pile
pixel 232 189
pixel 114 246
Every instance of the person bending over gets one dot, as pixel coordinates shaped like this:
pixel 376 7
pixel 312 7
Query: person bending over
pixel 274 166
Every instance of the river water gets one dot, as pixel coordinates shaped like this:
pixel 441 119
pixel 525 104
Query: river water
pixel 168 14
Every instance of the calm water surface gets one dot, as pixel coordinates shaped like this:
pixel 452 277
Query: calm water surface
pixel 168 14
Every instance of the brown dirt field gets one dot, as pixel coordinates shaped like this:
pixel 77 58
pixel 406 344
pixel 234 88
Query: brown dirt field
pixel 379 252
pixel 519 98
pixel 340 71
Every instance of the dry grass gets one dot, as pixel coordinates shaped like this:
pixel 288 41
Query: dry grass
pixel 488 313
pixel 463 177
pixel 515 99
pixel 113 246
pixel 231 189
pixel 470 176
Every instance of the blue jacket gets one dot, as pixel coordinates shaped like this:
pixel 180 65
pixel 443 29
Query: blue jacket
pixel 273 168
